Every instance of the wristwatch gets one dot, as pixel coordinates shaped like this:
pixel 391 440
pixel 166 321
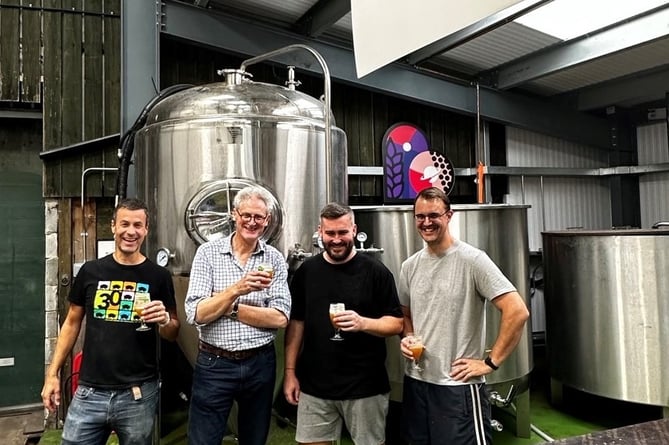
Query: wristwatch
pixel 488 361
pixel 235 310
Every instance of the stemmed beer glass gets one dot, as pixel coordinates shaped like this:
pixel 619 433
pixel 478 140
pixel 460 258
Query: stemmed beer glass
pixel 417 347
pixel 141 300
pixel 269 268
pixel 336 308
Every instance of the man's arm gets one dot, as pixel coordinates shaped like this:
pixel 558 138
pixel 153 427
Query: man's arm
pixel 214 307
pixel 293 344
pixel 68 336
pixel 407 326
pixel 385 326
pixel 170 330
pixel 262 317
pixel 514 316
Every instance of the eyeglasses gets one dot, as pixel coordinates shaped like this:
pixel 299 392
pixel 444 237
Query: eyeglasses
pixel 247 217
pixel 431 216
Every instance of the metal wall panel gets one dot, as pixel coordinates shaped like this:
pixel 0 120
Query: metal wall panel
pixel 557 202
pixel 653 187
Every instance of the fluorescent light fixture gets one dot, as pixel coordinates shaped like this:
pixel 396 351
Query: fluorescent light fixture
pixel 568 19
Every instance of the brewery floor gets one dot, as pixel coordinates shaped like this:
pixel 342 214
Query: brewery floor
pixel 579 414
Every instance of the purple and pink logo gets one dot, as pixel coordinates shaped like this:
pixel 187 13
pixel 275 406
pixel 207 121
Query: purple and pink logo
pixel 410 166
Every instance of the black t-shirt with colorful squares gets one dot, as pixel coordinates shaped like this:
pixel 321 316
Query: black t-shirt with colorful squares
pixel 115 355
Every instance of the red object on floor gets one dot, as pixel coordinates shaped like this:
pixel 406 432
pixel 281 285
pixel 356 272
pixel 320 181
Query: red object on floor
pixel 76 364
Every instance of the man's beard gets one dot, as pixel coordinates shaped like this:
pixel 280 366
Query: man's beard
pixel 339 256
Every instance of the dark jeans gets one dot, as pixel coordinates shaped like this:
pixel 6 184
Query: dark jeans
pixel 217 382
pixel 94 413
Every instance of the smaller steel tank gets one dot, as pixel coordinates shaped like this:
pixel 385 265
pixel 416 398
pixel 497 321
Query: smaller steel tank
pixel 498 229
pixel 607 312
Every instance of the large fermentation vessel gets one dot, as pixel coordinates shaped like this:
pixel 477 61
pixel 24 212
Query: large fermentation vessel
pixel 200 146
pixel 499 230
pixel 607 312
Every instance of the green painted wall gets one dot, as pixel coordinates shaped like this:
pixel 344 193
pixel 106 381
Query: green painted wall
pixel 21 288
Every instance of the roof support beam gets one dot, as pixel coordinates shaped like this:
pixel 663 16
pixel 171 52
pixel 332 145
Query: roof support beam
pixel 474 30
pixel 645 86
pixel 322 16
pixel 204 27
pixel 643 29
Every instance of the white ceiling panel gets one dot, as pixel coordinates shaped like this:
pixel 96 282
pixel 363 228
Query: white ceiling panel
pixel 481 55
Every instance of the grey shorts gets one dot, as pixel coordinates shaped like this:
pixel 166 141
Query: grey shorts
pixel 320 420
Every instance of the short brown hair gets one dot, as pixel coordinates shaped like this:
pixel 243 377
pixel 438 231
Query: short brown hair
pixel 433 194
pixel 336 210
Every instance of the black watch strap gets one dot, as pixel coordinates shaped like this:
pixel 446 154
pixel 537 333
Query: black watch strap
pixel 488 361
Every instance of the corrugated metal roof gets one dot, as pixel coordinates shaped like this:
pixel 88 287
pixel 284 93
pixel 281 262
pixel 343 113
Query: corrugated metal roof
pixel 484 57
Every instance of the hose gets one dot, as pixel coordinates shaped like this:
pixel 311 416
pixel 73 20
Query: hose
pixel 127 143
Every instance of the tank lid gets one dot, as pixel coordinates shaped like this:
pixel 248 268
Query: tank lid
pixel 239 98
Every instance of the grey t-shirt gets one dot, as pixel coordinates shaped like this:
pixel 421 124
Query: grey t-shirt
pixel 446 294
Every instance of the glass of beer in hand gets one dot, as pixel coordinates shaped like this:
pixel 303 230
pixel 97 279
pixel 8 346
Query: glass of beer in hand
pixel 269 268
pixel 415 343
pixel 266 267
pixel 141 300
pixel 336 308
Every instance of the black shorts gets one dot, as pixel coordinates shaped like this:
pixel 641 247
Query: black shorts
pixel 435 414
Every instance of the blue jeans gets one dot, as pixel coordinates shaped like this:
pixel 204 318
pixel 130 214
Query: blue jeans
pixel 217 382
pixel 95 413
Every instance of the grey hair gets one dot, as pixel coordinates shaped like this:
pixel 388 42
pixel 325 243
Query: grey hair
pixel 253 191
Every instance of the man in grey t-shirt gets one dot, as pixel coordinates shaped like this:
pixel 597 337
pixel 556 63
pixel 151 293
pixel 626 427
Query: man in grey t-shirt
pixel 443 289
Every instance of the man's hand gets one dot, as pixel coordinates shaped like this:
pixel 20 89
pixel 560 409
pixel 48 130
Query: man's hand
pixel 291 387
pixel 464 369
pixel 155 312
pixel 51 393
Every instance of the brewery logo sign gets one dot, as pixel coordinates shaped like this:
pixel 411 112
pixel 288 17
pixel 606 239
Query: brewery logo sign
pixel 411 165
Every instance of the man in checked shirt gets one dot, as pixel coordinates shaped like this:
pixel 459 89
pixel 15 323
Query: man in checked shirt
pixel 237 310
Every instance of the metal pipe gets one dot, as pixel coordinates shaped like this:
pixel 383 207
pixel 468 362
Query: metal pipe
pixel 84 234
pixel 326 94
pixel 540 433
pixel 659 224
pixel 534 428
pixel 479 150
pixel 480 185
pixel 543 203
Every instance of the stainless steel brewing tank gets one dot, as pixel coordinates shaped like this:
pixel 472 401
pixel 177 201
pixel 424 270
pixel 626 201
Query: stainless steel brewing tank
pixel 607 312
pixel 226 134
pixel 499 230
pixel 202 145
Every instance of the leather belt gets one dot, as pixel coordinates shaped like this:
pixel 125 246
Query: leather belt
pixel 234 355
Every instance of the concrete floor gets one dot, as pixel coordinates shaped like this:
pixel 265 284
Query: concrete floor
pixel 21 427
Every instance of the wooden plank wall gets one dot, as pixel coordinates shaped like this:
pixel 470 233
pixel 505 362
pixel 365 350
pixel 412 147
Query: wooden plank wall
pixel 65 56
pixel 363 115
pixel 20 75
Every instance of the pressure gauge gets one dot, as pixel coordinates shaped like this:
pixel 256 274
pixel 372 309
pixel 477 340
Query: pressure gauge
pixel 362 237
pixel 163 256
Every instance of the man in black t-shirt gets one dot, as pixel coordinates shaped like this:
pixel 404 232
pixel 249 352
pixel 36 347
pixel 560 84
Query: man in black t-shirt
pixel 332 380
pixel 118 380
